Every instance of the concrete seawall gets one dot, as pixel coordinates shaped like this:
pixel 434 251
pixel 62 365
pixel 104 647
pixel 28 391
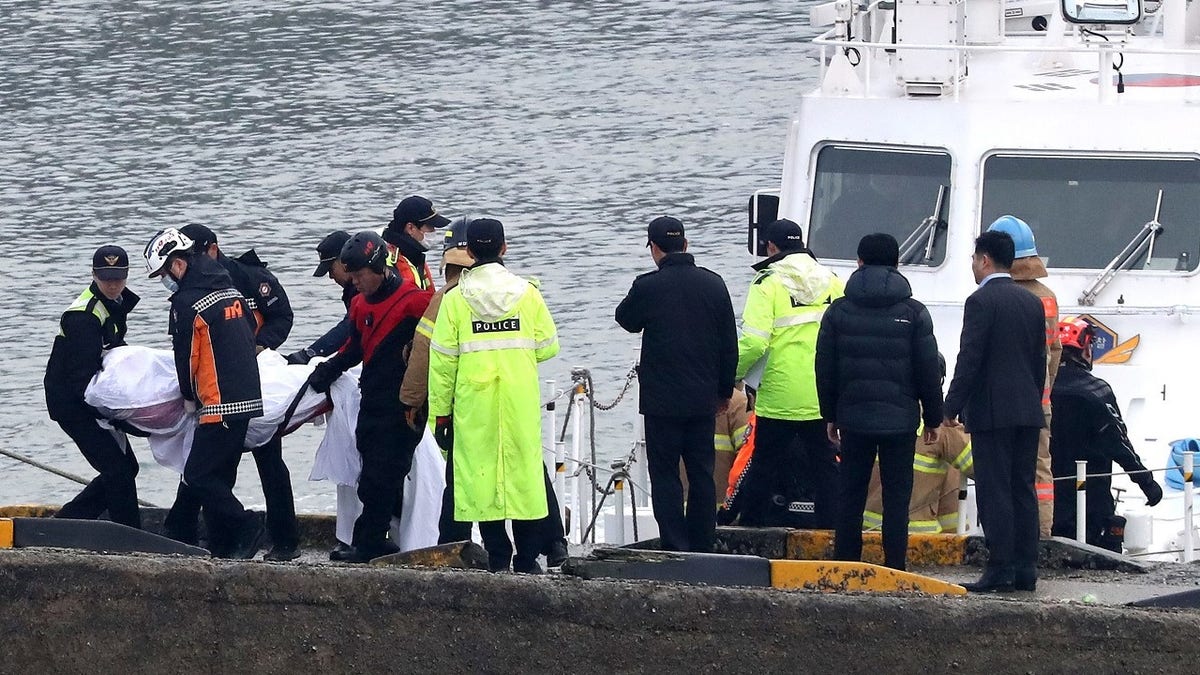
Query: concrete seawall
pixel 63 612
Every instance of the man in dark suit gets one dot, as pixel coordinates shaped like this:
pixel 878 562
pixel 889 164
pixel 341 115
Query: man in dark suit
pixel 689 354
pixel 997 389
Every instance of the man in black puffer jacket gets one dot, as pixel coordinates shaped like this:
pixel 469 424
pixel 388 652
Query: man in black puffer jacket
pixel 877 377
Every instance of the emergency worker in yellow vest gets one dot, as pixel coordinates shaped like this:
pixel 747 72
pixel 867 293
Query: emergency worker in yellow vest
pixel 1027 268
pixel 937 471
pixel 491 332
pixel 783 313
pixel 415 391
pixel 95 322
pixel 408 238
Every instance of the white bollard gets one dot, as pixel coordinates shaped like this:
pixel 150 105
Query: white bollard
pixel 618 535
pixel 961 528
pixel 641 463
pixel 560 481
pixel 582 487
pixel 1188 489
pixel 1081 501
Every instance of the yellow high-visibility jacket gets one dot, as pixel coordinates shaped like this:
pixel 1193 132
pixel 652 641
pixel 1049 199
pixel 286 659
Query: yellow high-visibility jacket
pixel 781 319
pixel 491 332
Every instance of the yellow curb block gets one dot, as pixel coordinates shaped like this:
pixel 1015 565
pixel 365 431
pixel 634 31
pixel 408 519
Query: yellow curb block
pixel 855 577
pixel 28 511
pixel 6 533
pixel 923 549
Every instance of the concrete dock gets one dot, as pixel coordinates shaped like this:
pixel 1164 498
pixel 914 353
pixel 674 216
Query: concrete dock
pixel 76 612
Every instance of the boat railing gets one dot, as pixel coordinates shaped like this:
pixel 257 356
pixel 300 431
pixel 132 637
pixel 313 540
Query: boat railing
pixel 1105 53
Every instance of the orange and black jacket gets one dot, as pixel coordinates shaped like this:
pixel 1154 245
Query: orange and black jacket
pixel 212 332
pixel 264 295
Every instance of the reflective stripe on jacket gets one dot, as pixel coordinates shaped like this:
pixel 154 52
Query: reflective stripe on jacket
pixel 780 323
pixel 491 332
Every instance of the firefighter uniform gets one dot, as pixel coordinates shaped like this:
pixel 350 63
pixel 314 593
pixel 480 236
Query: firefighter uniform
pixel 937 469
pixel 491 332
pixel 91 325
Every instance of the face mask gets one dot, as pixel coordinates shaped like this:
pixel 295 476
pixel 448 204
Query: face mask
pixel 425 243
pixel 170 284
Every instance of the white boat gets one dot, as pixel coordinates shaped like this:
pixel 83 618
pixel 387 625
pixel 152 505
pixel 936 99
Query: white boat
pixel 934 117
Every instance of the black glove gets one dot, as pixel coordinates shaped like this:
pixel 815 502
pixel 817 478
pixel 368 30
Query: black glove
pixel 300 358
pixel 128 428
pixel 323 377
pixel 1150 488
pixel 442 430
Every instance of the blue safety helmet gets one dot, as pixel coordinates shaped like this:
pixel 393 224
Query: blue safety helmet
pixel 1021 235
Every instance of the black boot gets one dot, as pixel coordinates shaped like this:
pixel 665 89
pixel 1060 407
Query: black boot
pixel 526 566
pixel 556 553
pixel 1025 579
pixel 249 537
pixel 342 553
pixel 499 563
pixel 994 580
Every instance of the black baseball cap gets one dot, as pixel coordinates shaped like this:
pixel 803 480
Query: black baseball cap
pixel 110 263
pixel 329 249
pixel 485 237
pixel 201 236
pixel 667 232
pixel 785 234
pixel 419 210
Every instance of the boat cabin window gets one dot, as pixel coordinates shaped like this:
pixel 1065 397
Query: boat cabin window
pixel 1084 211
pixel 859 190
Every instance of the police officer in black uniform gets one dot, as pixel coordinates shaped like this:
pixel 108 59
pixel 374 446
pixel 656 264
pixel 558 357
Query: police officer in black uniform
pixel 92 324
pixel 273 316
pixel 328 251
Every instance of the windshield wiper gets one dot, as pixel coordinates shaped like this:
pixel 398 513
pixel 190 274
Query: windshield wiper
pixel 1144 239
pixel 926 233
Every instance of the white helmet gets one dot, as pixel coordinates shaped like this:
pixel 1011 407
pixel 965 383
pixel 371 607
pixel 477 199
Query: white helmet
pixel 162 245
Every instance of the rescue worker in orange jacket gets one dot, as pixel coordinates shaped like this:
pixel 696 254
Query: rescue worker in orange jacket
pixel 408 238
pixel 212 335
pixel 272 315
pixel 937 471
pixel 1027 268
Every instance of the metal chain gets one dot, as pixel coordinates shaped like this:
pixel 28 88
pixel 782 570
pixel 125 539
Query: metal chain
pixel 629 378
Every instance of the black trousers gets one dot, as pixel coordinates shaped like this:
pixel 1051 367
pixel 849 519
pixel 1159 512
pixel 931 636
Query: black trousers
pixel 450 529
pixel 386 444
pixel 858 454
pixel 787 452
pixel 213 459
pixel 277 492
pixel 668 440
pixel 115 489
pixel 529 536
pixel 1005 464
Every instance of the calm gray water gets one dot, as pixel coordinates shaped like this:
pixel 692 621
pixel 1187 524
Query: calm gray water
pixel 574 123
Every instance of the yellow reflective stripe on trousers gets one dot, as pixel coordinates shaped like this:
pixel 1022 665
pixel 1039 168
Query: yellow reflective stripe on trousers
pixel 948 521
pixel 872 520
pixel 927 464
pixel 965 461
pixel 494 345
pixel 924 527
pixel 721 443
pixel 809 316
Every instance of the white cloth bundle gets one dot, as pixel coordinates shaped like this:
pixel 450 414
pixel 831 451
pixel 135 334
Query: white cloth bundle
pixel 139 385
